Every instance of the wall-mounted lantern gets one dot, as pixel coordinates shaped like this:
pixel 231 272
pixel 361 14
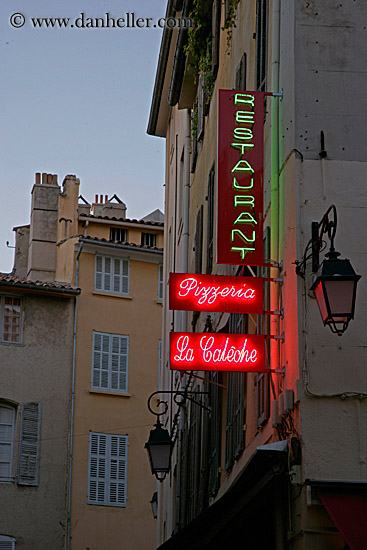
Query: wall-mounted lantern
pixel 160 445
pixel 335 284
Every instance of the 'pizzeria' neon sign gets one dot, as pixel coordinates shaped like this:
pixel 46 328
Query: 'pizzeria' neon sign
pixel 196 292
pixel 240 177
pixel 217 352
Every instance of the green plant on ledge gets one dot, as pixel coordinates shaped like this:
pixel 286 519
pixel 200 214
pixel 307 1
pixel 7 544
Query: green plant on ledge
pixel 194 122
pixel 230 21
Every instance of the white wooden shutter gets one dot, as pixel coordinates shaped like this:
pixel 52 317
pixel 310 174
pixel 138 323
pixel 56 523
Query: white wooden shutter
pixel 118 462
pixel 160 282
pixel 7 419
pixel 97 468
pixel 7 543
pixel 29 444
pixel 125 277
pixel 110 361
pixel 112 274
pixel 107 469
pixel 99 273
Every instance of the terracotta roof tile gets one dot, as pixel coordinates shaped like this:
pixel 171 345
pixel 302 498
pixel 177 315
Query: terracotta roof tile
pixel 12 280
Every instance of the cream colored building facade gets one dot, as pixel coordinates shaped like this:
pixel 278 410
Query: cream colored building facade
pixel 112 352
pixel 267 463
pixel 117 263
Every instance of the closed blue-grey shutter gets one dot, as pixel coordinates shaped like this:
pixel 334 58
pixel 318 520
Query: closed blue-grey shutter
pixel 107 474
pixel 7 543
pixel 110 361
pixel 29 444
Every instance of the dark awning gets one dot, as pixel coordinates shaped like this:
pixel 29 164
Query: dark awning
pixel 243 507
pixel 346 504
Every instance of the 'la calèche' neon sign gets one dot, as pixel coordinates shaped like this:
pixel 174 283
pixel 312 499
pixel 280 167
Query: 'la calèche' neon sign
pixel 197 292
pixel 240 177
pixel 217 352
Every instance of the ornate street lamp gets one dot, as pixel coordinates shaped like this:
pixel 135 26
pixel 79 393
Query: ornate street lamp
pixel 159 447
pixel 335 284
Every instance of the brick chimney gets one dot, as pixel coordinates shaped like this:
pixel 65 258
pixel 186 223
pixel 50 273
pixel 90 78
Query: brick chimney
pixel 43 228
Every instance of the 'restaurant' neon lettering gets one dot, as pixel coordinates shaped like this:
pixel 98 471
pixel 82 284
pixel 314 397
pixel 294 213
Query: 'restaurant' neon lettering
pixel 235 184
pixel 244 199
pixel 245 116
pixel 242 236
pixel 245 217
pixel 244 98
pixel 243 176
pixel 243 166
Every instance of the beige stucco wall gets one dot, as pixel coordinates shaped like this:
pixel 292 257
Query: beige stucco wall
pixel 39 370
pixel 139 317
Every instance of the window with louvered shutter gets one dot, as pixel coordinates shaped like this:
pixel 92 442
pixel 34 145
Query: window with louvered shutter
pixel 112 275
pixel 262 397
pixel 7 543
pixel 107 475
pixel 110 362
pixel 29 444
pixel 10 319
pixel 7 420
pixel 210 223
pixel 261 44
pixel 236 402
pixel 160 282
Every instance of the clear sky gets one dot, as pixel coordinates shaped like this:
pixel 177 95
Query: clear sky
pixel 77 101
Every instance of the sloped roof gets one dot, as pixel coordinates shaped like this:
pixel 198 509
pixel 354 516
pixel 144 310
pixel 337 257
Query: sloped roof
pixel 9 280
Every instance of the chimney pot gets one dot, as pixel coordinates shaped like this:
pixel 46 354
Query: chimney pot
pixel 54 179
pixel 106 198
pixel 44 177
pixel 38 178
pixel 101 199
pixel 96 199
pixel 49 179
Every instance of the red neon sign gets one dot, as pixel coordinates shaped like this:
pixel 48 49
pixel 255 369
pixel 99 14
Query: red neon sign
pixel 217 352
pixel 196 292
pixel 240 177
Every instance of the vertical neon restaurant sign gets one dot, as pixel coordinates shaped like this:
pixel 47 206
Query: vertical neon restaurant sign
pixel 240 177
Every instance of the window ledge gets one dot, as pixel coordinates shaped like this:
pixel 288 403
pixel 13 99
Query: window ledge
pixel 112 295
pixel 159 302
pixel 111 393
pixel 18 344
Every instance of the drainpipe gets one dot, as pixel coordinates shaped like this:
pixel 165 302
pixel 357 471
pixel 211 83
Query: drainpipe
pixel 274 190
pixel 73 400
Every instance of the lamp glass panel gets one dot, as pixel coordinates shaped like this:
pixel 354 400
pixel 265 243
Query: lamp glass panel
pixel 340 297
pixel 319 293
pixel 160 457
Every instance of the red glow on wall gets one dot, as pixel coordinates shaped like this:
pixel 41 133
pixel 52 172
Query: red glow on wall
pixel 196 292
pixel 217 352
pixel 240 177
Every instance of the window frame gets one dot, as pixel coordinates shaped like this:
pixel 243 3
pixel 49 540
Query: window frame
pixel 109 387
pixel 122 231
pixel 9 478
pixel 3 298
pixel 160 282
pixel 146 235
pixel 10 540
pixel 103 463
pixel 111 274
